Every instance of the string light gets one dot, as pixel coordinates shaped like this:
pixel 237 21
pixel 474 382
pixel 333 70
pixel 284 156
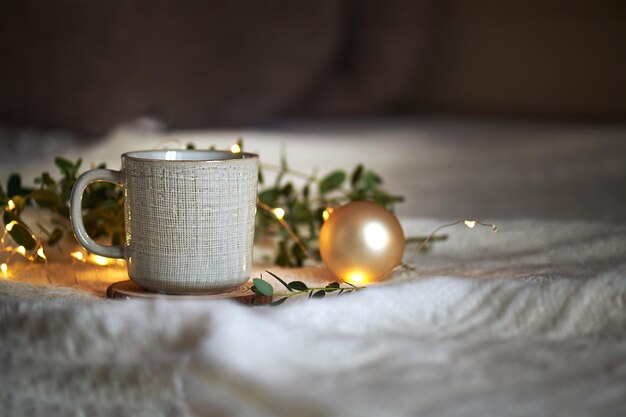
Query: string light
pixel 235 148
pixel 4 268
pixel 78 255
pixel 469 223
pixel 9 226
pixel 326 213
pixel 99 260
pixel 21 250
pixel 11 205
pixel 41 254
pixel 279 213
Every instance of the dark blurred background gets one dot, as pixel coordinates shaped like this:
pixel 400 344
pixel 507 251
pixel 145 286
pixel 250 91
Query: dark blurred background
pixel 89 65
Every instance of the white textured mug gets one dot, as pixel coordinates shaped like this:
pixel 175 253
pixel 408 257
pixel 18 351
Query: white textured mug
pixel 189 218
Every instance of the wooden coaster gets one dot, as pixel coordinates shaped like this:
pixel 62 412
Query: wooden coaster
pixel 125 290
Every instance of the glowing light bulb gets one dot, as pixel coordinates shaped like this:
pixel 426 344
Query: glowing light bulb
pixel 279 213
pixel 11 205
pixel 470 223
pixel 99 260
pixel 4 268
pixel 326 213
pixel 78 255
pixel 9 226
pixel 21 250
pixel 235 148
pixel 41 254
pixel 356 277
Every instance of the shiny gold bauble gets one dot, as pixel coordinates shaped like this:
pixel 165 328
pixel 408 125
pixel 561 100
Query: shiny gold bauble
pixel 361 242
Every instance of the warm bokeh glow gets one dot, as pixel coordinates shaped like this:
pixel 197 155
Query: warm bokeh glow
pixel 326 213
pixel 9 226
pixel 21 250
pixel 279 213
pixel 99 260
pixel 11 205
pixel 41 254
pixel 4 268
pixel 235 148
pixel 78 255
pixel 356 277
pixel 470 223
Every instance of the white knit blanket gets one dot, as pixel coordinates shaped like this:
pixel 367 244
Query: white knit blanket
pixel 527 322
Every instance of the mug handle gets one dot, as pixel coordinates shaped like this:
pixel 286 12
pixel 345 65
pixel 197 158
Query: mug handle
pixel 76 215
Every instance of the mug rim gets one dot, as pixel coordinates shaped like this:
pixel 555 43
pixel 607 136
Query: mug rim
pixel 224 155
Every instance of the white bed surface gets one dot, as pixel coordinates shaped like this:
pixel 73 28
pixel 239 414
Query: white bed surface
pixel 527 322
pixel 531 321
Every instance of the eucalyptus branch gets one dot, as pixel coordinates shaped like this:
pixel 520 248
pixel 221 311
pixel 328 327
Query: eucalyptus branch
pixel 297 288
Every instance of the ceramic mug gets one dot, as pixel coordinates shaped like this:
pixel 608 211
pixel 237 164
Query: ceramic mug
pixel 189 218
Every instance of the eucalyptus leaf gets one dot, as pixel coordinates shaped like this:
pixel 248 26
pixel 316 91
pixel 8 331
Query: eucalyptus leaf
pixel 280 280
pixel 65 166
pixel 46 198
pixel 22 236
pixel 356 174
pixel 14 186
pixel 47 180
pixel 319 294
pixel 269 196
pixel 278 302
pixel 264 287
pixel 20 203
pixel 332 181
pixel 298 286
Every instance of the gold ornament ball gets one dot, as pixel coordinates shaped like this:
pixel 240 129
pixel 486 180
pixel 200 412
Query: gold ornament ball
pixel 361 242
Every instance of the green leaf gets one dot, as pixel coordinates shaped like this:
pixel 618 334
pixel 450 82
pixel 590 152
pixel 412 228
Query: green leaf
pixel 64 165
pixel 278 302
pixel 191 146
pixel 260 176
pixel 372 179
pixel 14 186
pixel 356 174
pixel 280 280
pixel 298 286
pixel 20 203
pixel 283 258
pixel 287 190
pixel 263 287
pixel 333 286
pixel 19 232
pixel 269 196
pixel 332 181
pixel 46 198
pixel 47 180
pixel 300 212
pixel 298 254
pixel 319 294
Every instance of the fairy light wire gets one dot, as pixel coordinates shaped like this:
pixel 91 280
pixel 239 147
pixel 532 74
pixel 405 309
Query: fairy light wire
pixel 470 224
pixel 279 214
